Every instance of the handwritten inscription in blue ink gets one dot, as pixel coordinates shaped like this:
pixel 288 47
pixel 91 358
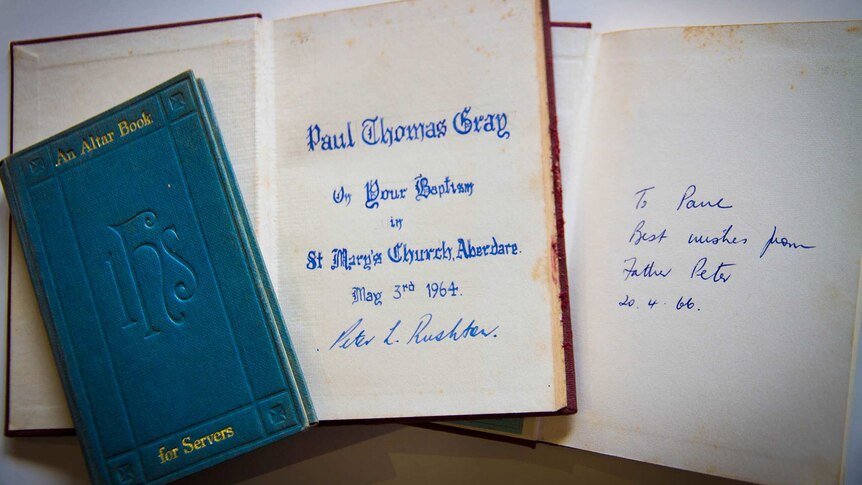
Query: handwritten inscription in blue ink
pixel 375 131
pixel 702 271
pixel 641 195
pixel 425 189
pixel 390 339
pixel 691 203
pixel 317 139
pixel 352 337
pixel 401 289
pixel 682 304
pixel 783 242
pixel 356 337
pixel 315 260
pixel 401 252
pixel 404 253
pixel 435 290
pixel 649 270
pixel 724 238
pixel 685 304
pixel 344 259
pixel 374 194
pixel 639 235
pixel 340 195
pixel 442 290
pixel 468 250
pixel 423 334
pixel 626 302
pixel 464 123
pixel 362 294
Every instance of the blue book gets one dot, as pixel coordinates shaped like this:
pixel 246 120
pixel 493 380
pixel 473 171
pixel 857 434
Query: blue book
pixel 169 342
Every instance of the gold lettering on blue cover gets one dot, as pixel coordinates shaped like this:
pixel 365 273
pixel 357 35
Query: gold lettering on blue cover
pixel 64 156
pixel 92 143
pixel 153 281
pixel 127 127
pixel 190 446
pixel 166 455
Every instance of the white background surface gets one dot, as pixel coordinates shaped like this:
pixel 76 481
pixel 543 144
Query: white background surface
pixel 374 453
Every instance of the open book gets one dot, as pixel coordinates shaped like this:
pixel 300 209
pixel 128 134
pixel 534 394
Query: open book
pixel 713 187
pixel 398 168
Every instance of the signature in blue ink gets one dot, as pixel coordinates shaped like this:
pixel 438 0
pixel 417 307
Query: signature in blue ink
pixel 648 271
pixel 457 332
pixel 690 203
pixel 783 241
pixel 390 339
pixel 724 238
pixel 352 337
pixel 639 235
pixel 716 275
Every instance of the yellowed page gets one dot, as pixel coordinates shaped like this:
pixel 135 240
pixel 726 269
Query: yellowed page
pixel 453 306
pixel 726 160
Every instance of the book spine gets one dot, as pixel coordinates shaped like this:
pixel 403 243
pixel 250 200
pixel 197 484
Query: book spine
pixel 559 245
pixel 256 262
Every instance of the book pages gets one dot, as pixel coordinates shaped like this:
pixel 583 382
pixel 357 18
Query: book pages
pixel 716 249
pixel 572 72
pixel 416 211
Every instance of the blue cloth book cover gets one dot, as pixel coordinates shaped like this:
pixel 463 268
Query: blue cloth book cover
pixel 169 342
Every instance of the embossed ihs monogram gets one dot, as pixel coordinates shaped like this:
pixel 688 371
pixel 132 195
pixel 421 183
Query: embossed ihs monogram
pixel 154 282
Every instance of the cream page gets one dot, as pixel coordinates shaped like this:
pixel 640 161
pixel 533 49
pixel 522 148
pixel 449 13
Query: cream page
pixel 414 210
pixel 715 248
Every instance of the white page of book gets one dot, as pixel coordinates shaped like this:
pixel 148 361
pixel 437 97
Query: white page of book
pixel 452 306
pixel 715 253
pixel 59 84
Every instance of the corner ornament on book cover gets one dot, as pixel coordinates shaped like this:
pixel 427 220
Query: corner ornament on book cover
pixel 154 283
